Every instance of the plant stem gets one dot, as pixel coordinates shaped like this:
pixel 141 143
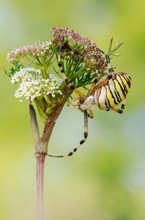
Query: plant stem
pixel 41 148
pixel 40 158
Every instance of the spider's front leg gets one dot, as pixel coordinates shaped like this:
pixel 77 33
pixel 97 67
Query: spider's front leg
pixel 67 81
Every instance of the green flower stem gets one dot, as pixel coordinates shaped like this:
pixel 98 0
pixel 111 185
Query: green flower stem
pixel 41 149
pixel 49 126
pixel 40 158
pixel 34 126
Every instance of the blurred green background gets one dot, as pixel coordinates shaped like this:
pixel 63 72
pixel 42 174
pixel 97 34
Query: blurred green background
pixel 105 180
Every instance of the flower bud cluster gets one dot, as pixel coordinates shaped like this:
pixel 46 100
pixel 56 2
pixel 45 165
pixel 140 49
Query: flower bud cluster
pixel 74 46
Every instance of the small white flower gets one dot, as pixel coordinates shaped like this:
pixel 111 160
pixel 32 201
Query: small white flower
pixel 32 84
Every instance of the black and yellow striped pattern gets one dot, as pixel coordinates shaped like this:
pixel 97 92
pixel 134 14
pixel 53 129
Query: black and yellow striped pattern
pixel 109 93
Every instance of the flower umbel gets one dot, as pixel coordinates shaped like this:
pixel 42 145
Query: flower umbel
pixel 32 84
pixel 38 55
pixel 40 49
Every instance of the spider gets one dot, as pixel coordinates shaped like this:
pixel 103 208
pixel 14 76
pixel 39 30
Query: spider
pixel 105 94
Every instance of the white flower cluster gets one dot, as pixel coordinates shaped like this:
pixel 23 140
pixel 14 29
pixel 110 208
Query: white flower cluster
pixel 32 84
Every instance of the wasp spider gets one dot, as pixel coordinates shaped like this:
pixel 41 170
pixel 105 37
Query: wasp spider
pixel 105 94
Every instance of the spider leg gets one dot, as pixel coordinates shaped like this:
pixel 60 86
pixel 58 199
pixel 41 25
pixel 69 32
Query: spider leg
pixel 90 114
pixel 123 105
pixel 103 82
pixel 92 88
pixel 119 110
pixel 109 67
pixel 81 142
pixel 108 77
pixel 67 81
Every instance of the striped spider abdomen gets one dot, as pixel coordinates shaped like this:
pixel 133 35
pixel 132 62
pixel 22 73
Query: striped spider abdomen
pixel 113 91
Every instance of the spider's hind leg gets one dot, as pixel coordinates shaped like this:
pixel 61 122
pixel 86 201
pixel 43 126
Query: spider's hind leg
pixel 119 110
pixel 123 105
pixel 81 142
pixel 90 114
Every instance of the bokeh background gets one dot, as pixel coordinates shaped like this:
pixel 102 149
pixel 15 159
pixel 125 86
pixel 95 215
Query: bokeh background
pixel 105 180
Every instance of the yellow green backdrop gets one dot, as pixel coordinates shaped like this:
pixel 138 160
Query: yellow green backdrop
pixel 105 180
